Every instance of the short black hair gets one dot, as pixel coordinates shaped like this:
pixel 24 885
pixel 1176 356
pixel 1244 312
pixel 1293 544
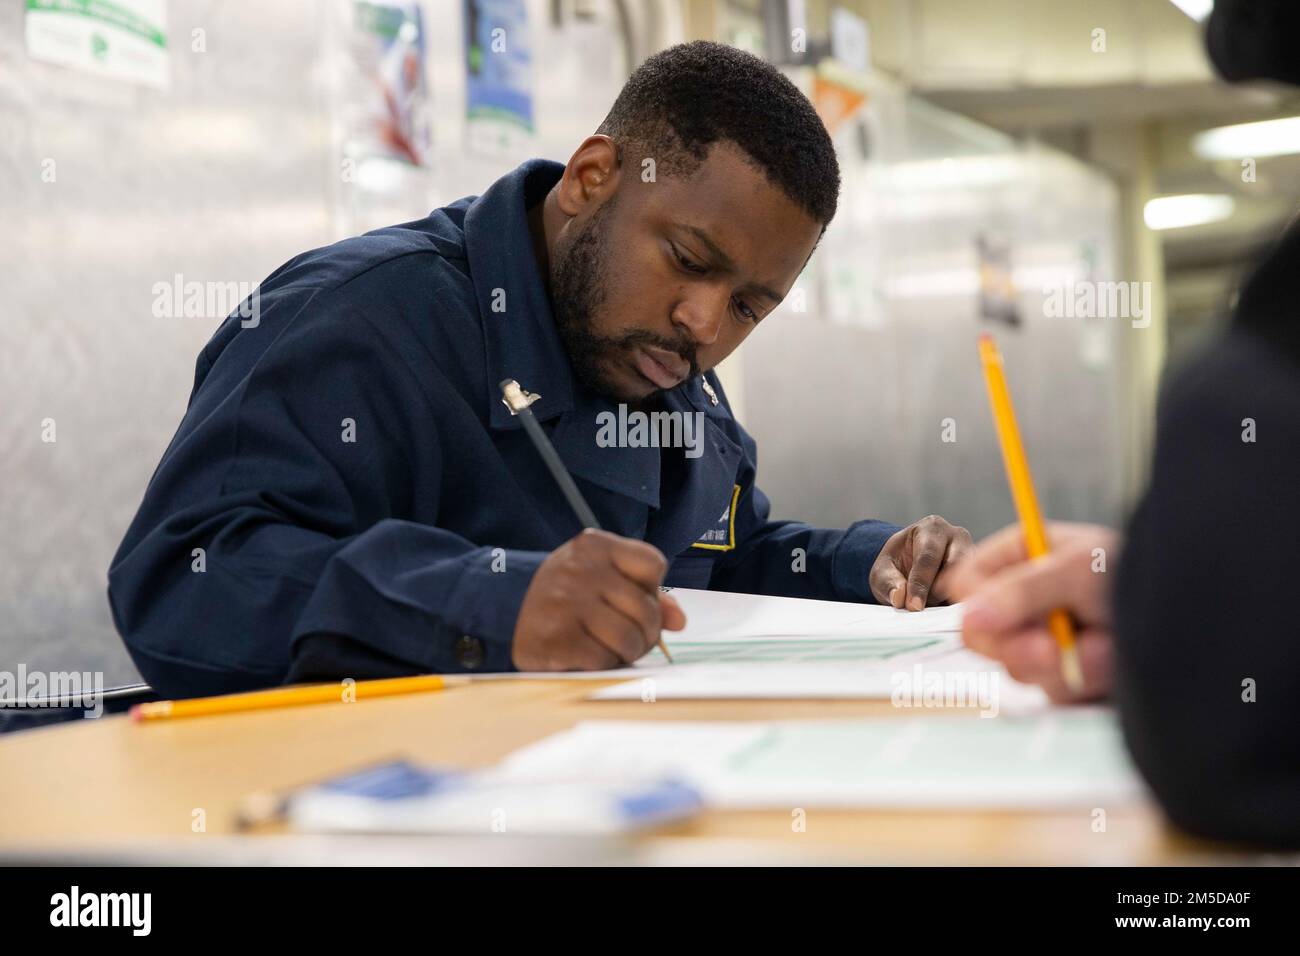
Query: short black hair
pixel 681 101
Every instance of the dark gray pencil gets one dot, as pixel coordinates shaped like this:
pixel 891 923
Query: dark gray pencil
pixel 517 400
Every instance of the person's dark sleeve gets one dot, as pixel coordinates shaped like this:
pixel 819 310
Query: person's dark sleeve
pixel 793 559
pixel 298 554
pixel 1207 635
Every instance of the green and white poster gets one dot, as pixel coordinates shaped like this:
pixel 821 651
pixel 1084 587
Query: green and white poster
pixel 118 39
pixel 498 76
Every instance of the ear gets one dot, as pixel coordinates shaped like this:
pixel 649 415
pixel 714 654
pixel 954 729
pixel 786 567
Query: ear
pixel 591 176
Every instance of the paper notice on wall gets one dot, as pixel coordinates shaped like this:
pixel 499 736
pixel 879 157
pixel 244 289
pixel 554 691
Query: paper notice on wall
pixel 381 104
pixel 388 106
pixel 118 39
pixel 498 76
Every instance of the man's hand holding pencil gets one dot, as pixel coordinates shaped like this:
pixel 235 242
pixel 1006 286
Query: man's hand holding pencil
pixel 1008 597
pixel 594 604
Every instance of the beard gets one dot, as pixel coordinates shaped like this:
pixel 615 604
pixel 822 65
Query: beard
pixel 578 292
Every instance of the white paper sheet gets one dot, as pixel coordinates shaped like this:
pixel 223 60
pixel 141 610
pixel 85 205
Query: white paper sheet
pixel 951 678
pixel 740 629
pixel 1065 758
pixel 722 616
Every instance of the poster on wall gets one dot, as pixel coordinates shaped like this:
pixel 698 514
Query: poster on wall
pixel 999 299
pixel 117 39
pixel 836 98
pixel 391 116
pixel 498 77
pixel 850 270
pixel 1094 336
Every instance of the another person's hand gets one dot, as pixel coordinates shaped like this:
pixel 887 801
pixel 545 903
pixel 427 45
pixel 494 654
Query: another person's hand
pixel 594 604
pixel 912 568
pixel 1008 598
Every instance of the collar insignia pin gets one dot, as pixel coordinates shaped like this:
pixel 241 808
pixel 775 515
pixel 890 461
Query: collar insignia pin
pixel 708 390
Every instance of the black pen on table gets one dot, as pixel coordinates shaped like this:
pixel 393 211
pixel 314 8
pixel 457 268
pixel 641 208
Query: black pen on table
pixel 517 400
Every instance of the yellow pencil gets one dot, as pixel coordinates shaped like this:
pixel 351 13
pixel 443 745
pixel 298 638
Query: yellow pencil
pixel 292 696
pixel 1026 500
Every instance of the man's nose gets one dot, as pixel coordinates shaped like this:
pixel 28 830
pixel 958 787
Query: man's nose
pixel 701 316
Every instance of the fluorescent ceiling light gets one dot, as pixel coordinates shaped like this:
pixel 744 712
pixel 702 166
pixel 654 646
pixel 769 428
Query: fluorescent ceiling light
pixel 955 172
pixel 1249 140
pixel 1196 9
pixel 1194 209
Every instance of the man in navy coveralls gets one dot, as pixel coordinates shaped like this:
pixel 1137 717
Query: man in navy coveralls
pixel 347 495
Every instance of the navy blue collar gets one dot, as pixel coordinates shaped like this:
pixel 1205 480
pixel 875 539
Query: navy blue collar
pixel 523 343
pixel 518 326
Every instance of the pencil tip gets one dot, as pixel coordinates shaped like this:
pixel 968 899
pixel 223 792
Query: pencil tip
pixel 1072 670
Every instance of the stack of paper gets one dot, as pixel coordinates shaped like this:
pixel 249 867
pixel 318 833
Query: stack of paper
pixel 746 633
pixel 745 646
pixel 946 678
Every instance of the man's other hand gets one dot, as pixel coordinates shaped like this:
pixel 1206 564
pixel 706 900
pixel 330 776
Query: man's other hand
pixel 912 569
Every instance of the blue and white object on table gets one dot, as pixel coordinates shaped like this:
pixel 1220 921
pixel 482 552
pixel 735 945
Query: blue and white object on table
pixel 400 797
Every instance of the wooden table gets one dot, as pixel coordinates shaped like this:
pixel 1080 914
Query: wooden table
pixel 110 783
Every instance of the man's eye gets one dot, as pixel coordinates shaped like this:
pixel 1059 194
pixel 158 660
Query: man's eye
pixel 745 310
pixel 687 264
